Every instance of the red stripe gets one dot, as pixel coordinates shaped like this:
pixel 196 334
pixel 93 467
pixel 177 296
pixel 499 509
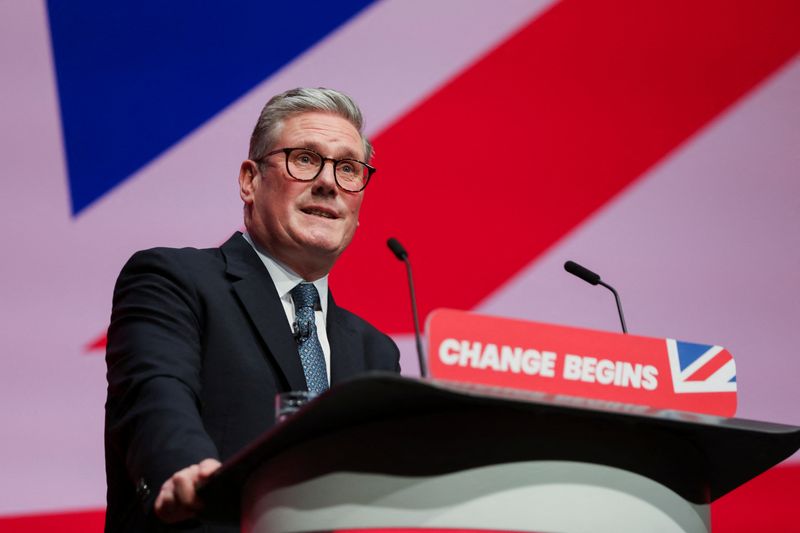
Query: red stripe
pixel 767 503
pixel 508 157
pixel 708 369
pixel 97 345
pixel 66 522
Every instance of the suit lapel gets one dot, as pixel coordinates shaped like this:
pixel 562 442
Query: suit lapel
pixel 254 288
pixel 347 354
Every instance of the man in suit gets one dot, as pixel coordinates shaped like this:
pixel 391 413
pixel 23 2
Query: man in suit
pixel 200 341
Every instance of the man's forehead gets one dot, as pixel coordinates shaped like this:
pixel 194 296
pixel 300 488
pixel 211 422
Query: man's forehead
pixel 322 132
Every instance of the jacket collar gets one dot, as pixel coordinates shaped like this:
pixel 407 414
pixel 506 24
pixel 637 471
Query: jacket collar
pixel 256 292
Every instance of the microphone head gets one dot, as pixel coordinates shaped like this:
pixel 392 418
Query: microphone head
pixel 397 249
pixel 584 273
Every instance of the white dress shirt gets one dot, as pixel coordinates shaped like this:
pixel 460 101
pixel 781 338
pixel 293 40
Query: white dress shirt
pixel 285 280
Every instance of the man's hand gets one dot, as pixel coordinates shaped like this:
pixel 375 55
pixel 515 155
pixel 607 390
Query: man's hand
pixel 178 500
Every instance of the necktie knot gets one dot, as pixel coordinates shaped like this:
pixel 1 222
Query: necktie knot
pixel 305 295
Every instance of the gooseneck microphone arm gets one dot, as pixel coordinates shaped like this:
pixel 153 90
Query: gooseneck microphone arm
pixel 619 305
pixel 401 254
pixel 594 279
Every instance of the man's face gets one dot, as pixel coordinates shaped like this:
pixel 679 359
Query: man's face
pixel 305 224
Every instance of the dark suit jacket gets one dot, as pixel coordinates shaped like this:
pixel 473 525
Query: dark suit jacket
pixel 198 347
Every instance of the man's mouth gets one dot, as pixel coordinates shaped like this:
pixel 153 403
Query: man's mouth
pixel 315 211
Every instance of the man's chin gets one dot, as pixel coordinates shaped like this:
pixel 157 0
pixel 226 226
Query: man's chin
pixel 324 245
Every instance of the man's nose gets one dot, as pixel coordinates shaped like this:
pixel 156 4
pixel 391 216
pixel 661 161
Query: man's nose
pixel 326 180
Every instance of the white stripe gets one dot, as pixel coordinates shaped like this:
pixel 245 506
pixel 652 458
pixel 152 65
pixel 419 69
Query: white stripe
pixel 724 374
pixel 700 361
pixel 674 364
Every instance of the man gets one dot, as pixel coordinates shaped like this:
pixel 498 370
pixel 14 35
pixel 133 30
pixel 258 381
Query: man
pixel 200 341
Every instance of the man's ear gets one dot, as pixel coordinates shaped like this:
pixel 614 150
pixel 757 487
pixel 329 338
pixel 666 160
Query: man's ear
pixel 247 177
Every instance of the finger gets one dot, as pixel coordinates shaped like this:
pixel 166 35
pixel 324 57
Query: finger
pixel 167 487
pixel 165 501
pixel 177 500
pixel 208 467
pixel 185 487
pixel 176 492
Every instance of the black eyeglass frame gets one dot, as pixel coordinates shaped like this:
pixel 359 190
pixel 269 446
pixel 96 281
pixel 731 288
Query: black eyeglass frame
pixel 286 151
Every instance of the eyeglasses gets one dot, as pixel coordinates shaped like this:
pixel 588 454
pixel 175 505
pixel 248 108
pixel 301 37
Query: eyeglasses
pixel 302 164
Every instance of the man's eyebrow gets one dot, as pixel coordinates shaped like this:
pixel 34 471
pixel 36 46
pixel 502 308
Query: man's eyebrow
pixel 346 153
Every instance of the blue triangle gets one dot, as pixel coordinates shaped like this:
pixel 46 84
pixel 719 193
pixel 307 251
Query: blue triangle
pixel 135 77
pixel 689 352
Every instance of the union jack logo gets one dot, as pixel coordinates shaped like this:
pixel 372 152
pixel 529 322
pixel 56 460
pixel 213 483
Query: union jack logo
pixel 700 367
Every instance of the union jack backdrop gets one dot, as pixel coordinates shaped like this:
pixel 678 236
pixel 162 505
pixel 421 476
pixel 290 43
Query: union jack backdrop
pixel 658 143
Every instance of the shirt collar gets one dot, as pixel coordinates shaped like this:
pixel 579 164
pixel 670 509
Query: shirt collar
pixel 285 279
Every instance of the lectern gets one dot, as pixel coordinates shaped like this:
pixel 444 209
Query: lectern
pixel 383 451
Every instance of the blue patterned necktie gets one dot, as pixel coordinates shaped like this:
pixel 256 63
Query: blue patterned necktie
pixel 306 300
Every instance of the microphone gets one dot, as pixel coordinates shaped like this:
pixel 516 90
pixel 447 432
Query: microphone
pixel 397 249
pixel 401 254
pixel 300 334
pixel 590 277
pixel 584 273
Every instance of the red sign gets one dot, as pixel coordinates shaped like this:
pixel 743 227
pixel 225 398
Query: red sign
pixel 658 373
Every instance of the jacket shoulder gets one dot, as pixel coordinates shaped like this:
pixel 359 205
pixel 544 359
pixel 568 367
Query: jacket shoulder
pixel 378 347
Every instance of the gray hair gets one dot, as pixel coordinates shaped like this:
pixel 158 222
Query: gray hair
pixel 303 100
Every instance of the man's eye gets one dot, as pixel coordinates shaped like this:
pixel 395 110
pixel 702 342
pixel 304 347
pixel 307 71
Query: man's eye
pixel 305 159
pixel 351 169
